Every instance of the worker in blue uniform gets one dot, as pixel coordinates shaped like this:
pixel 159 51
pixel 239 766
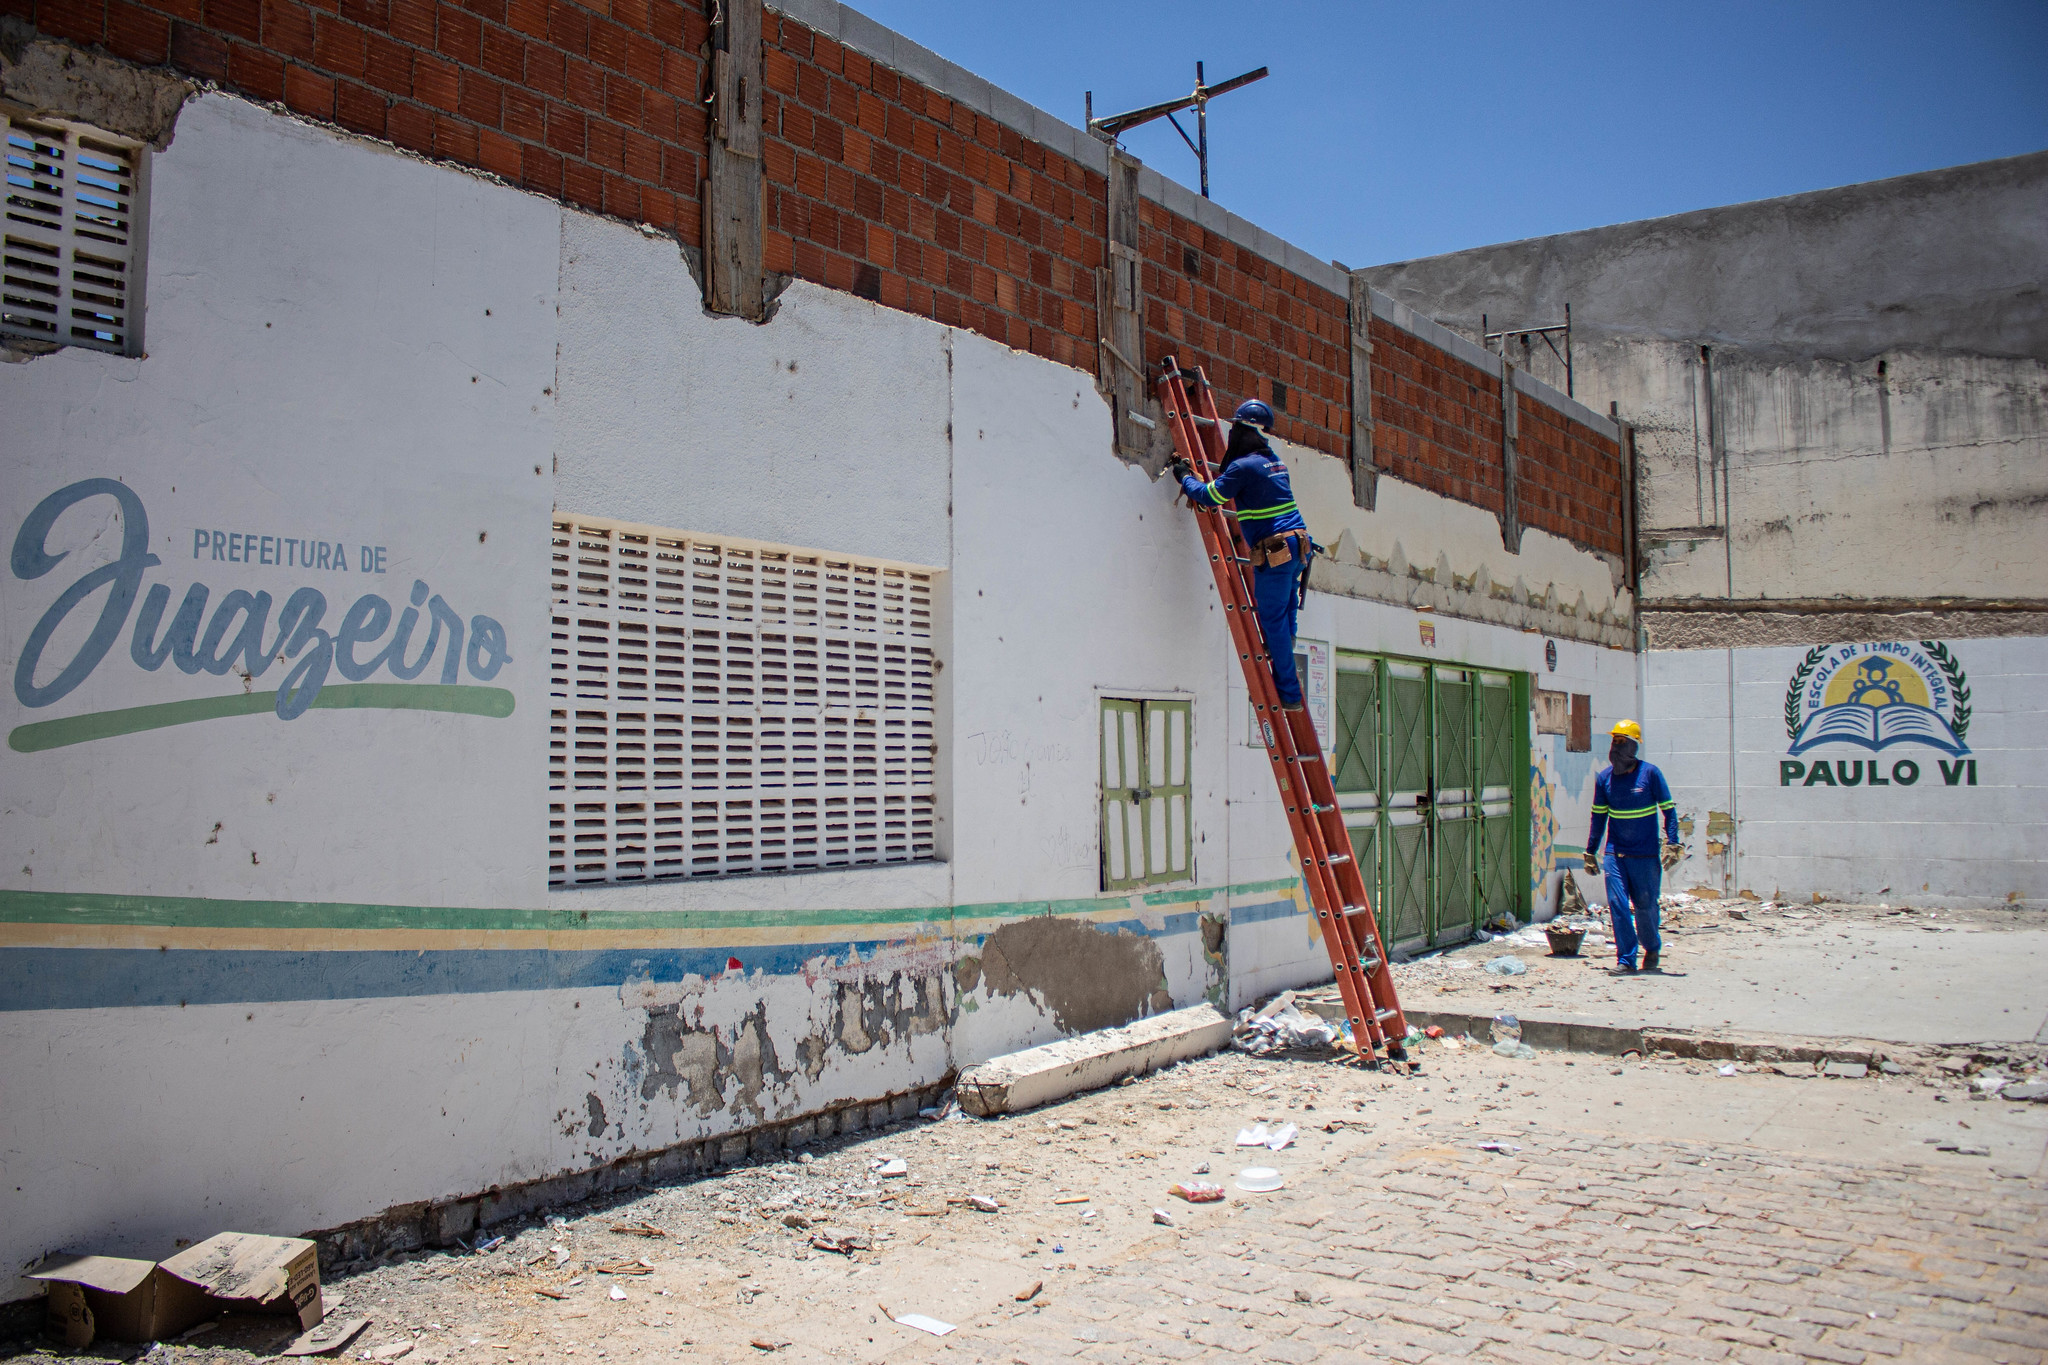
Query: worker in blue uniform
pixel 1630 797
pixel 1273 530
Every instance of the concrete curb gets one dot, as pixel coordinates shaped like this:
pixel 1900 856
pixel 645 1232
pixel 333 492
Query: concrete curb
pixel 1039 1075
pixel 1612 1038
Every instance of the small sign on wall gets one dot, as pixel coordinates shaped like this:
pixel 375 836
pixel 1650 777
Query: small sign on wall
pixel 1427 630
pixel 1312 664
pixel 1313 659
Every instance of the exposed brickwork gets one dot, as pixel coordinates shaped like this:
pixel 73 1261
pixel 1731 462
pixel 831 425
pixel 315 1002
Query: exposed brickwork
pixel 874 184
pixel 596 106
pixel 1251 325
pixel 1570 478
pixel 882 187
pixel 1439 419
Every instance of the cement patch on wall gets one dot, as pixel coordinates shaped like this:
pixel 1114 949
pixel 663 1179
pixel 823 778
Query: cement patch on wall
pixel 46 77
pixel 1088 979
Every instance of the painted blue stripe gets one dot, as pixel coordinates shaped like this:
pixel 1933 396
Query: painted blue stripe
pixel 117 978
pixel 1265 910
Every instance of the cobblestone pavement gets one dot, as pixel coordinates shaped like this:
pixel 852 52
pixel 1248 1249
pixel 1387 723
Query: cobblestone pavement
pixel 1590 1249
pixel 1647 1209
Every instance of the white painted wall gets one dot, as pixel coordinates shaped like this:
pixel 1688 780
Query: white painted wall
pixel 318 368
pixel 1925 844
pixel 826 428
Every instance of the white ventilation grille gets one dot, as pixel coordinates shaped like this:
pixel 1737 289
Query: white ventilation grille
pixel 724 706
pixel 74 252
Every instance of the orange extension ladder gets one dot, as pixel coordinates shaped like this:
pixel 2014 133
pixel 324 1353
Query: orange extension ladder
pixel 1343 908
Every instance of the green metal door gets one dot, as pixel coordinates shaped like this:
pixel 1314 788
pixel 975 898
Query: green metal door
pixel 1410 892
pixel 1428 761
pixel 1356 768
pixel 1456 828
pixel 1500 869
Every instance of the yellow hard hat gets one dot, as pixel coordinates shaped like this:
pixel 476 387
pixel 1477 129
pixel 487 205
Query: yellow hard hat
pixel 1628 729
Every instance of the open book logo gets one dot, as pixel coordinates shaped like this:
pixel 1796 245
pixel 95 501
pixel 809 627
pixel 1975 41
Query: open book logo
pixel 1878 695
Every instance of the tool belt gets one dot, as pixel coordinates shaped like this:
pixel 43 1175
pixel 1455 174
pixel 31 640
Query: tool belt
pixel 1274 551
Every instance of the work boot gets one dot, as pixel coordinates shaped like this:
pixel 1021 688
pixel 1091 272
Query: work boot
pixel 1649 962
pixel 1627 964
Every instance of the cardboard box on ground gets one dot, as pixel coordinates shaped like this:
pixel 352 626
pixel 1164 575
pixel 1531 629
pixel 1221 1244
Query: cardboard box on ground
pixel 132 1300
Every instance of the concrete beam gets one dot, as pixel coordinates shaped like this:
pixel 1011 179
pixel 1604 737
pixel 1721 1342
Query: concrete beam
pixel 1040 1075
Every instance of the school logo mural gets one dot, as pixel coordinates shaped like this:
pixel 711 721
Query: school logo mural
pixel 1877 696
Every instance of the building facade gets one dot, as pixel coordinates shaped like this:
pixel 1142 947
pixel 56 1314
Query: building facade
pixel 526 679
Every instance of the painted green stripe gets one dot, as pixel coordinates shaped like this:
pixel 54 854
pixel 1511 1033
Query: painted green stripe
pixel 195 912
pixel 56 734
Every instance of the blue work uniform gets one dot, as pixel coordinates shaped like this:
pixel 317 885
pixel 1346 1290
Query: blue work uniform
pixel 1626 809
pixel 1257 483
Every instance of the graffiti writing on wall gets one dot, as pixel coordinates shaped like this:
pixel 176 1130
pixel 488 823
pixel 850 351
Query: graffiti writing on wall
pixel 237 636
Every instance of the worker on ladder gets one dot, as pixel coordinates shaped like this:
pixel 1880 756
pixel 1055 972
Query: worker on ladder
pixel 1271 526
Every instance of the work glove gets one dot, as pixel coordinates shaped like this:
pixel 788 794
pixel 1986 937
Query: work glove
pixel 1673 855
pixel 1591 861
pixel 1181 469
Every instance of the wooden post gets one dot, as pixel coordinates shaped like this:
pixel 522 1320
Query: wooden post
pixel 1123 338
pixel 733 281
pixel 1365 472
pixel 1510 458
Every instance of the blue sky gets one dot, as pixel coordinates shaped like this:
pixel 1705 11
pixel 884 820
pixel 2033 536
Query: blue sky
pixel 1388 131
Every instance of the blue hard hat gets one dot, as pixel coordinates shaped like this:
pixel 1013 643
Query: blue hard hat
pixel 1254 412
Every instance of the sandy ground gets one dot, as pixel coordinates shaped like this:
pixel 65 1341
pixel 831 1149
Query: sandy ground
pixel 1887 973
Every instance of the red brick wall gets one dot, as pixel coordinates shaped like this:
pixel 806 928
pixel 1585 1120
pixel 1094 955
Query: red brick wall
pixel 1570 481
pixel 882 187
pixel 1439 418
pixel 597 106
pixel 874 184
pixel 1249 323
